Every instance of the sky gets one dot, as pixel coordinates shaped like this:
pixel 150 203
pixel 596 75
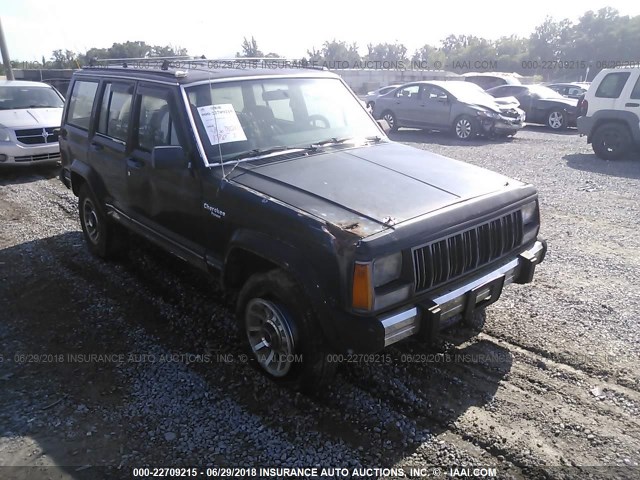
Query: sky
pixel 34 28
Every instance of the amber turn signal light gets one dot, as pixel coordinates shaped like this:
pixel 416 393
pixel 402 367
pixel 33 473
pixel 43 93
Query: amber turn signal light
pixel 362 294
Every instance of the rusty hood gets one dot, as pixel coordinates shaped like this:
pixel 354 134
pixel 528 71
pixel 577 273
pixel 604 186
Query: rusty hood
pixel 371 188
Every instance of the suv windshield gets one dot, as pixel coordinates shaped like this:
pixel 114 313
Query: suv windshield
pixel 15 98
pixel 252 117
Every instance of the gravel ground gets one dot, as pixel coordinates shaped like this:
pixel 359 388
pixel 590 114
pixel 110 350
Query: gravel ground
pixel 552 382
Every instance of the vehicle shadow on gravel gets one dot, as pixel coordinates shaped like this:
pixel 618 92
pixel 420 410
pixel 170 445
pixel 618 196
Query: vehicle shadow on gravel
pixel 629 167
pixel 442 138
pixel 25 174
pixel 379 410
pixel 544 129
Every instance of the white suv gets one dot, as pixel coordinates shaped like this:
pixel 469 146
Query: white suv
pixel 30 114
pixel 609 113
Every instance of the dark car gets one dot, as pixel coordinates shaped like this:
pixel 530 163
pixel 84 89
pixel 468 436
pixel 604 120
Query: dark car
pixel 569 90
pixel 541 104
pixel 489 80
pixel 460 107
pixel 279 184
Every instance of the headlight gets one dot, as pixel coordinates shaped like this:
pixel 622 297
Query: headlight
pixel 530 213
pixel 487 114
pixel 386 269
pixel 4 135
pixel 369 276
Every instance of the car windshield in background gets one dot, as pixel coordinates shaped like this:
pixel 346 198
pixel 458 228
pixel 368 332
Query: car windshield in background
pixel 15 98
pixel 544 92
pixel 468 92
pixel 255 117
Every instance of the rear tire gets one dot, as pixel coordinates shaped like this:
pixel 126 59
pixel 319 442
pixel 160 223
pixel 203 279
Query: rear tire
pixel 103 237
pixel 282 332
pixel 557 120
pixel 611 142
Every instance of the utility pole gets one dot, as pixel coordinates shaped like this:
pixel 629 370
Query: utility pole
pixel 5 55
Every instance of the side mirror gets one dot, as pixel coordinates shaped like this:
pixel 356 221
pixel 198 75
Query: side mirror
pixel 168 157
pixel 384 125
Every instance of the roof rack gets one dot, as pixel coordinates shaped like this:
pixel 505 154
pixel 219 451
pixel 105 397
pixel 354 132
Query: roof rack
pixel 182 63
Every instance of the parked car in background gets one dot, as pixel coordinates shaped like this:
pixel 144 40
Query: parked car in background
pixel 541 104
pixel 569 90
pixel 30 114
pixel 460 107
pixel 486 80
pixel 610 112
pixel 371 97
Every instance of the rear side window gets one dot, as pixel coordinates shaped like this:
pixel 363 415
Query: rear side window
pixel 635 94
pixel 115 110
pixel 612 85
pixel 81 103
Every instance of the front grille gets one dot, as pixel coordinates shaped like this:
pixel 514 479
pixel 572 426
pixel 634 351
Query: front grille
pixel 40 156
pixel 438 262
pixel 34 136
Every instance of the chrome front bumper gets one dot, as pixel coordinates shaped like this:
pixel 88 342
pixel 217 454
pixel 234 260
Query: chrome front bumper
pixel 461 299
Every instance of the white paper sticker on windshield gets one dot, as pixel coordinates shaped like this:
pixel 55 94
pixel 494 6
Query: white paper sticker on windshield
pixel 221 123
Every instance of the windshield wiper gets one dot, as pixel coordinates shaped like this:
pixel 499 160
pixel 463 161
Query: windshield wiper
pixel 330 141
pixel 339 141
pixel 257 152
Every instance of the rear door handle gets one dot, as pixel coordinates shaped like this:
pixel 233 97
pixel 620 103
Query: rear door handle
pixel 632 104
pixel 134 163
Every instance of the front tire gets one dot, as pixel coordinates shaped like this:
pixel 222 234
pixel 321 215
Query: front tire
pixel 465 128
pixel 611 142
pixel 557 120
pixel 103 238
pixel 282 332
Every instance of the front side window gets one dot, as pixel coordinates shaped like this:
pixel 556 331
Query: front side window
pixel 239 117
pixel 155 125
pixel 409 92
pixel 81 103
pixel 612 85
pixel 115 110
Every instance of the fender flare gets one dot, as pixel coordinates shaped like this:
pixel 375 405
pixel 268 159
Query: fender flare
pixel 82 170
pixel 625 117
pixel 295 263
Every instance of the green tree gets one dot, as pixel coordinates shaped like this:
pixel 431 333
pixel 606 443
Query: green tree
pixel 336 54
pixel 250 49
pixel 64 59
pixel 431 57
pixel 386 52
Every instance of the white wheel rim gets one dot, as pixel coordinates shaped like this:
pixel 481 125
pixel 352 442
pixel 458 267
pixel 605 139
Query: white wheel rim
pixel 555 120
pixel 463 128
pixel 270 337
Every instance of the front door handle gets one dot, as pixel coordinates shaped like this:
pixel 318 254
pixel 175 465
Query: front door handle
pixel 134 163
pixel 632 104
pixel 96 146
